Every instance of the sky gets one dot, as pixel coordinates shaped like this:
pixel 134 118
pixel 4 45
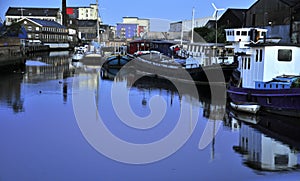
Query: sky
pixel 112 11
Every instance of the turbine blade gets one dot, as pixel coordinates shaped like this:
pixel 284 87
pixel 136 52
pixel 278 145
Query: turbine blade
pixel 214 6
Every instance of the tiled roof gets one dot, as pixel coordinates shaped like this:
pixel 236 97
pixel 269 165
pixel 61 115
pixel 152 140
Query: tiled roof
pixel 16 11
pixel 47 23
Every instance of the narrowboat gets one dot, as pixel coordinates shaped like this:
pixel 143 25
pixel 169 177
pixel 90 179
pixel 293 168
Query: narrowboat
pixel 183 70
pixel 113 64
pixel 269 74
pixel 116 61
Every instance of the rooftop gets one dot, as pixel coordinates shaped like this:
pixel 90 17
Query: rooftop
pixel 29 11
pixel 47 23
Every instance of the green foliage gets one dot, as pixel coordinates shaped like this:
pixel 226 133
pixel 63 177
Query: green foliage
pixel 11 31
pixel 209 34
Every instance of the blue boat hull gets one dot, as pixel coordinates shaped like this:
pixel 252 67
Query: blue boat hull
pixel 279 101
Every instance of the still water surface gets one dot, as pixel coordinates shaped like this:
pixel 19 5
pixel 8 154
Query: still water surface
pixel 42 139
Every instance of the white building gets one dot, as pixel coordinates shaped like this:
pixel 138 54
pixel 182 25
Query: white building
pixel 186 25
pixel 14 14
pixel 88 13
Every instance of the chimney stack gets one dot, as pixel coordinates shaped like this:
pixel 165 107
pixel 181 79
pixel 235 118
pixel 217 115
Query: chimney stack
pixel 64 12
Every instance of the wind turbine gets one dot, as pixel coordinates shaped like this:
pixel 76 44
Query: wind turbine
pixel 216 19
pixel 216 10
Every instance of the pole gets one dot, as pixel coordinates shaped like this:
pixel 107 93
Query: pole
pixel 216 28
pixel 193 24
pixel 98 33
pixel 21 11
pixel 181 39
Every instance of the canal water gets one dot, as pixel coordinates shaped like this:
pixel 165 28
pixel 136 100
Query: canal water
pixel 71 121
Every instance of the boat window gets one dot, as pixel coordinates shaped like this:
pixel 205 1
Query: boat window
pixel 244 33
pixel 245 63
pixel 282 160
pixel 256 56
pixel 285 55
pixel 249 63
pixel 260 57
pixel 238 33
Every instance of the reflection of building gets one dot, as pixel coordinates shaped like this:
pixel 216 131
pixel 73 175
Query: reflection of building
pixel 265 153
pixel 10 92
pixel 213 112
pixel 55 66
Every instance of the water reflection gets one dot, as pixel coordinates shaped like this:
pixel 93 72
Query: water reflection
pixel 10 92
pixel 48 66
pixel 50 130
pixel 267 142
pixel 40 67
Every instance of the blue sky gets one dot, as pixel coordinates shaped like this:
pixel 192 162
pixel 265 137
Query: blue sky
pixel 112 11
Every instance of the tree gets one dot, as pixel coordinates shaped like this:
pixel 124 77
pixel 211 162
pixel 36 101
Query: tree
pixel 14 30
pixel 209 34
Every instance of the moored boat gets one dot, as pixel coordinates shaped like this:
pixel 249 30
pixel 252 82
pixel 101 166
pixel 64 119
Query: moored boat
pixel 269 76
pixel 249 107
pixel 78 55
pixel 164 66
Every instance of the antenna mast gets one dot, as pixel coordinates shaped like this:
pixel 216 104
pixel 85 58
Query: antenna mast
pixel 98 33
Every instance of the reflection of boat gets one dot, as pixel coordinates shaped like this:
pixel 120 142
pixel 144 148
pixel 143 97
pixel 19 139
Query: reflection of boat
pixel 113 64
pixel 78 55
pixel 250 108
pixel 269 75
pixel 116 61
pixel 271 144
pixel 248 118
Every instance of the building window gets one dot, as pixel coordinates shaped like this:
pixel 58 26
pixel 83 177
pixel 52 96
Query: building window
pixel 37 36
pixel 29 28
